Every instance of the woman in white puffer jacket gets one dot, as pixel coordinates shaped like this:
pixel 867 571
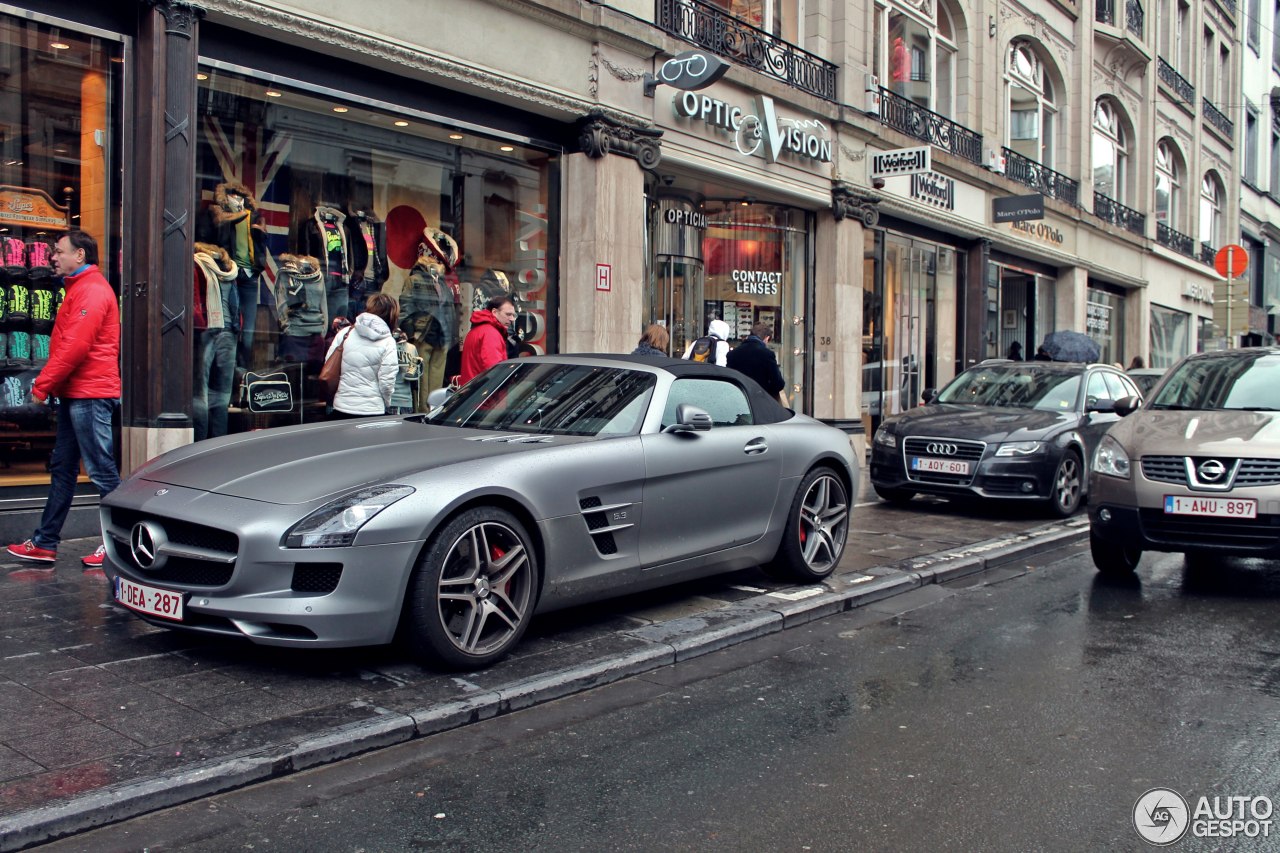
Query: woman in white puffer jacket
pixel 369 362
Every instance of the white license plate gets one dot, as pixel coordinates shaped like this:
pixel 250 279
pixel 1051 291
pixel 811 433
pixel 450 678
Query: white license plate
pixel 943 466
pixel 1217 507
pixel 148 599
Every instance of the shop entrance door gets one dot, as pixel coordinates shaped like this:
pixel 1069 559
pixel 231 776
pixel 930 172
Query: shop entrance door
pixel 910 330
pixel 676 299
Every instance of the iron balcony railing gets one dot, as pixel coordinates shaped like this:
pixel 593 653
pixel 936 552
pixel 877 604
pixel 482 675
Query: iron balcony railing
pixel 1105 12
pixel 1176 240
pixel 1175 81
pixel 1218 119
pixel 712 28
pixel 1040 177
pixel 1207 253
pixel 924 124
pixel 1133 17
pixel 1110 210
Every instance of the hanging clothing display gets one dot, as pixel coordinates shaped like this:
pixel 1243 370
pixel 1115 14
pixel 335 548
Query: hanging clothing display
pixel 324 237
pixel 302 306
pixel 234 224
pixel 215 321
pixel 429 308
pixel 367 239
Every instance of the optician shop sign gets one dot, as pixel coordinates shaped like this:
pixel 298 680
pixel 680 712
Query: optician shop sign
pixel 758 129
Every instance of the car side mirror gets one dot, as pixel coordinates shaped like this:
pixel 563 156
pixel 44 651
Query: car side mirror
pixel 1093 404
pixel 929 394
pixel 690 418
pixel 1127 405
pixel 438 397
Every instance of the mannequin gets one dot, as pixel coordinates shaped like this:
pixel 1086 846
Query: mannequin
pixel 324 237
pixel 17 291
pixel 367 237
pixel 233 223
pixel 302 306
pixel 215 322
pixel 428 308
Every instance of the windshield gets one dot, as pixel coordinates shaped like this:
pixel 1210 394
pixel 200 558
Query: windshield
pixel 1022 385
pixel 1249 382
pixel 551 399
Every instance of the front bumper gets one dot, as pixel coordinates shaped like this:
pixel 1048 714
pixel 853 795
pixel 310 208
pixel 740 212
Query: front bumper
pixel 1003 477
pixel 1118 515
pixel 238 580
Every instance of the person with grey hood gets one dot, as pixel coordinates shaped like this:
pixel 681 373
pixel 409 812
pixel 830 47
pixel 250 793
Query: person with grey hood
pixel 369 360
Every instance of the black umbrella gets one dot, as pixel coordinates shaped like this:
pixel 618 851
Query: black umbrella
pixel 1071 346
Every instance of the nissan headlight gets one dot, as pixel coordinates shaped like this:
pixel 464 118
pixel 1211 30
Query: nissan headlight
pixel 884 438
pixel 336 524
pixel 1020 448
pixel 1110 459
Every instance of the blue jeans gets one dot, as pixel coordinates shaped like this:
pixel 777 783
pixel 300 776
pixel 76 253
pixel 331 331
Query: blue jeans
pixel 215 371
pixel 247 288
pixel 84 431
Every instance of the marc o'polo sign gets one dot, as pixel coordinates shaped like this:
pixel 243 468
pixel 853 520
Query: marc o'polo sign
pixel 691 71
pixel 1017 208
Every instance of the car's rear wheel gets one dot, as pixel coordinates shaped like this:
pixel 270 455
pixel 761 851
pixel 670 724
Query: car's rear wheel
pixel 893 496
pixel 1113 560
pixel 472 593
pixel 817 526
pixel 1068 485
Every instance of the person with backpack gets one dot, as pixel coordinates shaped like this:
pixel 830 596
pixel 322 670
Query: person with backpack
pixel 713 347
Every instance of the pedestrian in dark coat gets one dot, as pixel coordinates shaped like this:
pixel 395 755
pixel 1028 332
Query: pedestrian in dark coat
pixel 753 358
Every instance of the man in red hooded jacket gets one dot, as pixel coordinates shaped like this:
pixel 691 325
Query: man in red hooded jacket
pixel 83 372
pixel 486 343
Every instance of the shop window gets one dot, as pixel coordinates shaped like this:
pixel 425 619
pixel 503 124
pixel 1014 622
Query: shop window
pixel 1104 322
pixel 307 205
pixel 1250 144
pixel 1032 108
pixel 59 170
pixel 1110 151
pixel 921 54
pixel 1168 184
pixel 1170 335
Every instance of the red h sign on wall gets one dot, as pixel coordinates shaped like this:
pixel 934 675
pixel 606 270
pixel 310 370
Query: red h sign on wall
pixel 604 277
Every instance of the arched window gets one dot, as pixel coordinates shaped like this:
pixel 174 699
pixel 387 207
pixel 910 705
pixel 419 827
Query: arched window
pixel 946 61
pixel 1210 210
pixel 1032 110
pixel 1110 151
pixel 917 53
pixel 1168 185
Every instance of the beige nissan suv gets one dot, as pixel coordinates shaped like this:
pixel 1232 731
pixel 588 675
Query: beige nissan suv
pixel 1196 469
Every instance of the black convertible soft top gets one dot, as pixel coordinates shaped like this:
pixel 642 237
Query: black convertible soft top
pixel 764 409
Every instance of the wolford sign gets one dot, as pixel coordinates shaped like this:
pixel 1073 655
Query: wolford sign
pixel 764 133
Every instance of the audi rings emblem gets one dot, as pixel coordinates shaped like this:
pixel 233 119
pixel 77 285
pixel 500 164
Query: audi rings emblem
pixel 938 448
pixel 145 542
pixel 1211 471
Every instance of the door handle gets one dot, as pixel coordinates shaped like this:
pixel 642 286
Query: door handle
pixel 755 446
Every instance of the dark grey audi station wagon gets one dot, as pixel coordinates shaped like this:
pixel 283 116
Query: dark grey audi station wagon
pixel 1018 430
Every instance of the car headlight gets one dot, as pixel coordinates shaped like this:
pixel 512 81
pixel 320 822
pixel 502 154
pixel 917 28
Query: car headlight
pixel 885 438
pixel 1110 459
pixel 336 523
pixel 1019 448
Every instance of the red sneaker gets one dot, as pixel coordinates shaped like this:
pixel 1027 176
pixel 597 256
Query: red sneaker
pixel 94 560
pixel 31 551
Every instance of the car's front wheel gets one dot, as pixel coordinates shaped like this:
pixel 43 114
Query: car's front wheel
pixel 472 594
pixel 817 526
pixel 1113 560
pixel 1068 485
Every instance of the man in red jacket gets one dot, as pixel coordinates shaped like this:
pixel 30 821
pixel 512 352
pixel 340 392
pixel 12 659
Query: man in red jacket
pixel 83 372
pixel 486 343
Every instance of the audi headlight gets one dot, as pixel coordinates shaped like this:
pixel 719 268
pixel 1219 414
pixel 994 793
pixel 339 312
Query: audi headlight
pixel 1110 459
pixel 885 438
pixel 336 523
pixel 1020 448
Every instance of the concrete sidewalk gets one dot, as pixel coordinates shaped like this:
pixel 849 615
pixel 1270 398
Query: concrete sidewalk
pixel 106 717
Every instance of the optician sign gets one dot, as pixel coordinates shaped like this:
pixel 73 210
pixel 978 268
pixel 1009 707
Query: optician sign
pixel 763 132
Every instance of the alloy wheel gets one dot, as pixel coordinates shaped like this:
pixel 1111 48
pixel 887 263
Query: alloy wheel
pixel 485 588
pixel 824 515
pixel 1067 485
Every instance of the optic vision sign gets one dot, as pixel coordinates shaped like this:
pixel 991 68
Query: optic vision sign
pixel 763 132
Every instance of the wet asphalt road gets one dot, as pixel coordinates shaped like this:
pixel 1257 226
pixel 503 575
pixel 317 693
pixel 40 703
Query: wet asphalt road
pixel 1029 715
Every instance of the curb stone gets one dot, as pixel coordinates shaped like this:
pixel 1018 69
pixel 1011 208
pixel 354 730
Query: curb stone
pixel 665 643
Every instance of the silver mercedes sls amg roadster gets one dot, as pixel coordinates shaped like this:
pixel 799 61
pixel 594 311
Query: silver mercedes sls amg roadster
pixel 545 482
